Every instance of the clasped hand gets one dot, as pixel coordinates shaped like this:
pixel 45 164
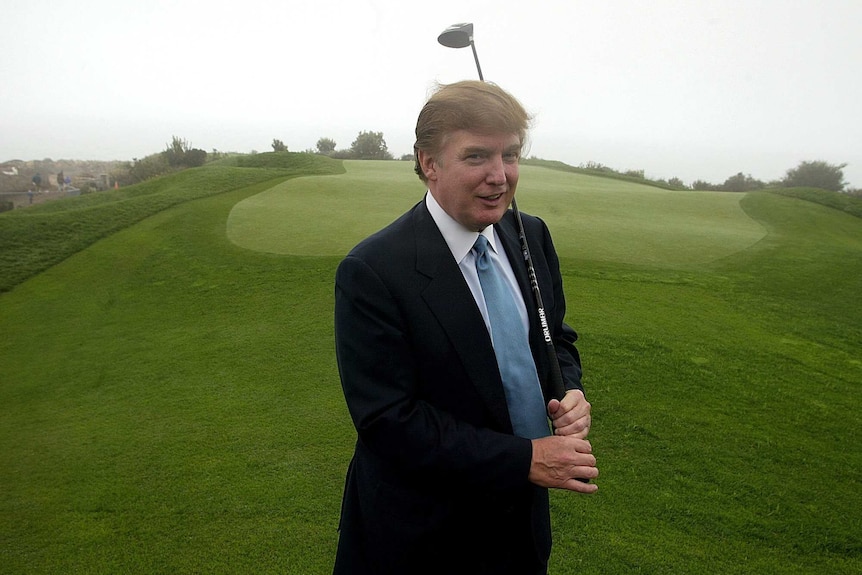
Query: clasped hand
pixel 565 459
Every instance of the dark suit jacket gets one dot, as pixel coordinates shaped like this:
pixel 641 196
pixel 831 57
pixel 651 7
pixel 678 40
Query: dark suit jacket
pixel 438 483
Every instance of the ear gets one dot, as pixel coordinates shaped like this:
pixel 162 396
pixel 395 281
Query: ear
pixel 428 164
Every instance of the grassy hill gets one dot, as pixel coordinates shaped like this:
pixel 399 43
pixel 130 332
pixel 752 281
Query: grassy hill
pixel 169 400
pixel 34 239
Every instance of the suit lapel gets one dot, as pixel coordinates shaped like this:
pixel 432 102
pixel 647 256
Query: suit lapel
pixel 508 232
pixel 451 302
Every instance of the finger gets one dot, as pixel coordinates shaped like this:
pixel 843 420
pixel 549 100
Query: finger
pixel 579 428
pixel 580 486
pixel 573 397
pixel 565 417
pixel 582 434
pixel 585 472
pixel 581 445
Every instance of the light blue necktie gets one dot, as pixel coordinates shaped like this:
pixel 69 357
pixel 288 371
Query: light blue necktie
pixel 512 348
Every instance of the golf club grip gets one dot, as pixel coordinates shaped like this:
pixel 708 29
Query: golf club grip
pixel 558 389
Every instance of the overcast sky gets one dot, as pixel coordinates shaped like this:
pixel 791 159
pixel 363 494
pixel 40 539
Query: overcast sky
pixel 689 89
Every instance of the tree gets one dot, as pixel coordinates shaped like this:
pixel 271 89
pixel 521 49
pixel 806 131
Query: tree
pixel 370 146
pixel 176 151
pixel 816 175
pixel 180 154
pixel 741 183
pixel 704 186
pixel 278 146
pixel 195 157
pixel 325 146
pixel 139 170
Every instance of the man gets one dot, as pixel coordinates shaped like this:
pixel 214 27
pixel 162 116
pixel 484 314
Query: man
pixel 439 481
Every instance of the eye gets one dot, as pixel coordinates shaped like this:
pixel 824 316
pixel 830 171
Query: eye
pixel 511 157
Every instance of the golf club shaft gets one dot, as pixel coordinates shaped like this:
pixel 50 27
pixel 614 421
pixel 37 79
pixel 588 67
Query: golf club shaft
pixel 460 36
pixel 558 389
pixel 476 59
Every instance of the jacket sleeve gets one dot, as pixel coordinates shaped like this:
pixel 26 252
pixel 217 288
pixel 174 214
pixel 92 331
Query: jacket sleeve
pixel 564 336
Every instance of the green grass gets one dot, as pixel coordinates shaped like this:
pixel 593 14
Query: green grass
pixel 294 217
pixel 169 401
pixel 43 235
pixel 840 201
pixel 324 215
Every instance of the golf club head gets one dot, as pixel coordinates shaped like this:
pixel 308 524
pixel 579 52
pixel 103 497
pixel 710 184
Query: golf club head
pixel 457 35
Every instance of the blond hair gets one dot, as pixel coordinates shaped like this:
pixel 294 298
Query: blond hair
pixel 467 105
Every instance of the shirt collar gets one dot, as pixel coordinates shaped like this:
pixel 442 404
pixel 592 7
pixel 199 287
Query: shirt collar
pixel 459 239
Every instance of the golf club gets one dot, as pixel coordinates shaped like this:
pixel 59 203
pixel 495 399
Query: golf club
pixel 461 36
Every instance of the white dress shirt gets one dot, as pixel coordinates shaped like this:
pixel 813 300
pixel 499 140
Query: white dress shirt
pixel 460 241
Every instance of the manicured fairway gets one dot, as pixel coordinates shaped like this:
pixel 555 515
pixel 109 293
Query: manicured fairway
pixel 648 226
pixel 170 403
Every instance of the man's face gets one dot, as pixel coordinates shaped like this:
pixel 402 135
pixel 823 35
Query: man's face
pixel 474 176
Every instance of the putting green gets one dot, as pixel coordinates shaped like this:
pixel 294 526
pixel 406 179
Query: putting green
pixel 591 218
pixel 325 215
pixel 603 219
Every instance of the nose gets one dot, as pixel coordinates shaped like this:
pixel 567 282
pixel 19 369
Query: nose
pixel 496 172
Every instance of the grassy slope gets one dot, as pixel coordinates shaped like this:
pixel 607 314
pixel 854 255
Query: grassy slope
pixel 325 215
pixel 294 217
pixel 170 405
pixel 726 405
pixel 170 401
pixel 40 236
